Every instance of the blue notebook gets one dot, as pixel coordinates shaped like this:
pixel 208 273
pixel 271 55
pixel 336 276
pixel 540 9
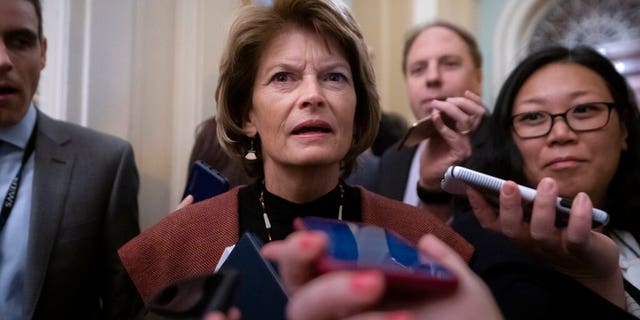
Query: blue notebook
pixel 260 293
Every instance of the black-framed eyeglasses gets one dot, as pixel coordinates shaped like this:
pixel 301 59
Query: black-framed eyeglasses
pixel 583 117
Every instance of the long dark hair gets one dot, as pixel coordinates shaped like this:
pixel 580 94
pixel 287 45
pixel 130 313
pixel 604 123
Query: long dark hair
pixel 498 155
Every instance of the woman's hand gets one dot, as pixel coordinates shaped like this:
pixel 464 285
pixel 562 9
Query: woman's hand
pixel 360 294
pixel 576 250
pixel 296 257
pixel 452 145
pixel 185 202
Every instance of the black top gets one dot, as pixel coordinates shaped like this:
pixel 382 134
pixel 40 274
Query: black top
pixel 282 212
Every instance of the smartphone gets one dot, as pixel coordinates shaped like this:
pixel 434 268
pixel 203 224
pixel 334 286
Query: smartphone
pixel 423 129
pixel 192 298
pixel 456 177
pixel 358 246
pixel 204 182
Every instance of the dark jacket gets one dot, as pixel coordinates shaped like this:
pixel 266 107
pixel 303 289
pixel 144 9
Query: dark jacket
pixel 84 207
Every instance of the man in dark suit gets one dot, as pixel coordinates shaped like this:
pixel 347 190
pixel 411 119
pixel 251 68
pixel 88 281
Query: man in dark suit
pixel 442 67
pixel 68 195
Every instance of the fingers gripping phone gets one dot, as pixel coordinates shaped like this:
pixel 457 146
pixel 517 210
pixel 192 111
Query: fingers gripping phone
pixel 204 182
pixel 356 246
pixel 456 177
pixel 423 129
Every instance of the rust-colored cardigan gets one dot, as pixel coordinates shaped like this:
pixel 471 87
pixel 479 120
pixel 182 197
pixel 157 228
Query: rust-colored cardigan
pixel 190 241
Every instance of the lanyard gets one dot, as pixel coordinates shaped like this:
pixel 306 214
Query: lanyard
pixel 12 193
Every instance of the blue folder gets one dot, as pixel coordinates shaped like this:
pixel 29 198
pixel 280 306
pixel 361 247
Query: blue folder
pixel 260 294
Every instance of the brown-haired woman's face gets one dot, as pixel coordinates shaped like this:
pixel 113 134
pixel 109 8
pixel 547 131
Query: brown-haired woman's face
pixel 304 101
pixel 578 161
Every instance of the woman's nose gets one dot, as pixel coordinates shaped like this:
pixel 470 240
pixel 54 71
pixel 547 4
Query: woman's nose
pixel 560 130
pixel 311 93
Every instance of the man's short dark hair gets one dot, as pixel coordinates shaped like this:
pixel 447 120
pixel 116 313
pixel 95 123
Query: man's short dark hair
pixel 38 7
pixel 465 35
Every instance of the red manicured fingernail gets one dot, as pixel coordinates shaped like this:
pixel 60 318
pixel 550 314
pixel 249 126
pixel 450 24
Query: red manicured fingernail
pixel 364 281
pixel 307 240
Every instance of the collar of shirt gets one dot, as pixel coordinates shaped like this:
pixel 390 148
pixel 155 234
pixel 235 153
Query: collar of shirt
pixel 630 265
pixel 18 135
pixel 629 249
pixel 410 193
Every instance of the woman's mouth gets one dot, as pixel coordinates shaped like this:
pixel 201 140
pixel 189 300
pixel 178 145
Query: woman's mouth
pixel 311 127
pixel 564 163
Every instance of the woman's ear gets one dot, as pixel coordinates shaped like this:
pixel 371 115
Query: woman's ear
pixel 248 127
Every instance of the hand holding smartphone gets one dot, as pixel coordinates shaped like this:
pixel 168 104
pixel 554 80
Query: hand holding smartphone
pixel 204 182
pixel 457 177
pixel 423 129
pixel 356 246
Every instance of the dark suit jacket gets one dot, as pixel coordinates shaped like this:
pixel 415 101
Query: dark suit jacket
pixel 190 241
pixel 393 171
pixel 84 207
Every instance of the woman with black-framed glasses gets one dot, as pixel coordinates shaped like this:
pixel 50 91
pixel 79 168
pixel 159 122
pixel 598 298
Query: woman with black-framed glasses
pixel 580 118
pixel 566 123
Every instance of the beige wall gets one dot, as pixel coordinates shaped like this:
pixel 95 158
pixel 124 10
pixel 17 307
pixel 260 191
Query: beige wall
pixel 143 70
pixel 383 23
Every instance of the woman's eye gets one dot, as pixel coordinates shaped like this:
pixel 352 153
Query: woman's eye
pixel 336 76
pixel 585 108
pixel 280 77
pixel 531 117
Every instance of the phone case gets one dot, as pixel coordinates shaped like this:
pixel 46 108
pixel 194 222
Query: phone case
pixel 204 182
pixel 423 129
pixel 456 178
pixel 357 246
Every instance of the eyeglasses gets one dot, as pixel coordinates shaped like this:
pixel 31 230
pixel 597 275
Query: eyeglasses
pixel 583 117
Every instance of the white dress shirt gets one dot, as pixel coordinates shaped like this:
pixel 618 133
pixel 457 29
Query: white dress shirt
pixel 410 193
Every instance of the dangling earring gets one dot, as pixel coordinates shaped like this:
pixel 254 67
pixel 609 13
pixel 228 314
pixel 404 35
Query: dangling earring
pixel 251 153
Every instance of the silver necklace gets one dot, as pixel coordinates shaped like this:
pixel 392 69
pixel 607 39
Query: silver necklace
pixel 265 216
